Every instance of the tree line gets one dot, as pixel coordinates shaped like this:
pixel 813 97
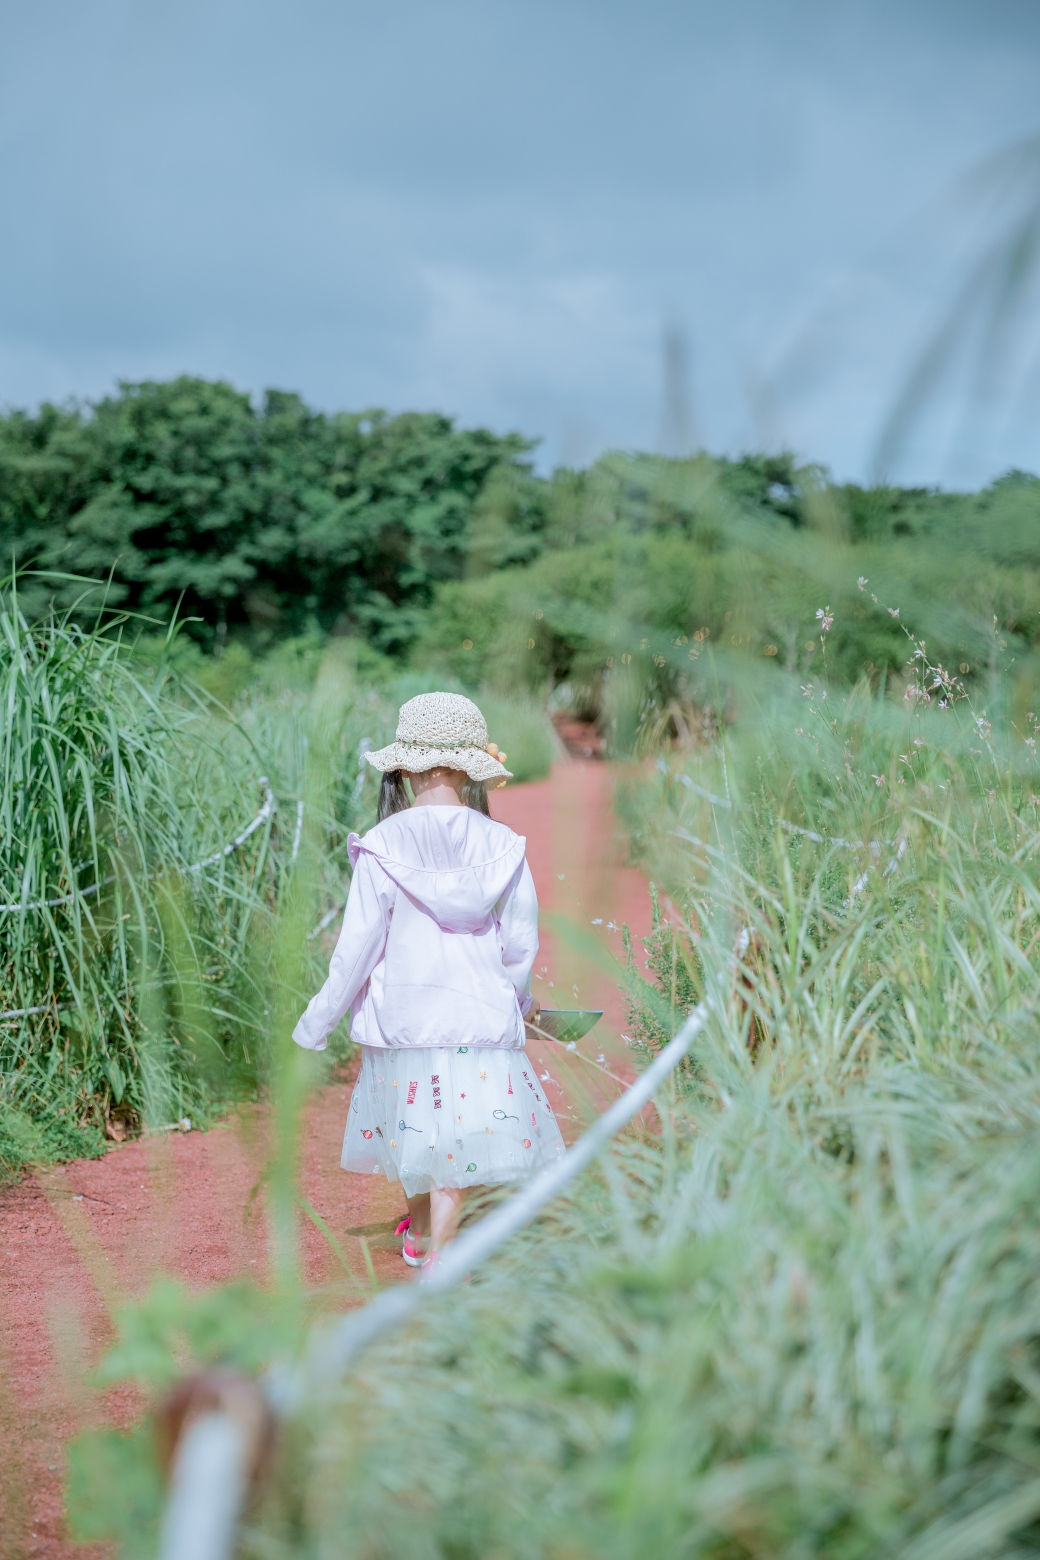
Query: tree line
pixel 263 519
pixel 264 516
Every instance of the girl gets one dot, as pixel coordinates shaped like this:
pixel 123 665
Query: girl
pixel 434 963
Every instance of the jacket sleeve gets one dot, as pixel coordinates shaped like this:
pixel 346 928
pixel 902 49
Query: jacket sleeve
pixel 518 920
pixel 361 942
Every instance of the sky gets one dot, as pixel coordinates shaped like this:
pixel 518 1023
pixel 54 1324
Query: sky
pixel 503 210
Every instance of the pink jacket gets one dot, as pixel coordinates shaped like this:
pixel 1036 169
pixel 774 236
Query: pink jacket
pixel 439 936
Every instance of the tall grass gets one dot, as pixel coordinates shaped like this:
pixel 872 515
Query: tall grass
pixel 798 1315
pixel 802 1319
pixel 146 842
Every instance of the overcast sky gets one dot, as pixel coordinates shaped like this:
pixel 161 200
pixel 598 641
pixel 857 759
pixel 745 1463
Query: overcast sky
pixel 495 208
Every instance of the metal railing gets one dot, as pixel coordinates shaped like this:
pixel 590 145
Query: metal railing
pixel 210 1472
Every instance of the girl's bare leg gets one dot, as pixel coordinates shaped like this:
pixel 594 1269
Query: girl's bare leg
pixel 445 1207
pixel 419 1213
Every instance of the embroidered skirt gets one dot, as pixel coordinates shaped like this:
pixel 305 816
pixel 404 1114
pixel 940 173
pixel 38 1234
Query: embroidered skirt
pixel 451 1116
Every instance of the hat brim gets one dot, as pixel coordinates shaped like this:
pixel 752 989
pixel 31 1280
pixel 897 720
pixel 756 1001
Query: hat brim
pixel 416 759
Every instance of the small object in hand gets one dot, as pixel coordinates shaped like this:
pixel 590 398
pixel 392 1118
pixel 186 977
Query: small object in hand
pixel 566 1024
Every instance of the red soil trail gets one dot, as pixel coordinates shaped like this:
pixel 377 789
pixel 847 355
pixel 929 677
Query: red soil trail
pixel 77 1240
pixel 586 894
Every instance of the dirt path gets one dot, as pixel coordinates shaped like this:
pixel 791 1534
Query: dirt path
pixel 78 1240
pixel 586 893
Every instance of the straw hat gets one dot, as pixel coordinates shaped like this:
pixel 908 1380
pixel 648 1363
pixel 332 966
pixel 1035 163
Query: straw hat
pixel 442 730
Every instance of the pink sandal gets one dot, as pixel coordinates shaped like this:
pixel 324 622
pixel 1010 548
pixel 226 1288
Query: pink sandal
pixel 414 1248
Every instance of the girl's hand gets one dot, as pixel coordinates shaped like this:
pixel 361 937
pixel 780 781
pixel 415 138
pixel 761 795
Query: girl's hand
pixel 533 1014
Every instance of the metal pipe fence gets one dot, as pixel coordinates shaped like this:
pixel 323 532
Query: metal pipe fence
pixel 208 1481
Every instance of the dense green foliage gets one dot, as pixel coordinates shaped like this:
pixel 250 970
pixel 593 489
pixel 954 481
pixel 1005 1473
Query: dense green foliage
pixel 147 844
pixel 799 1321
pixel 275 517
pixel 656 575
pixel 441 547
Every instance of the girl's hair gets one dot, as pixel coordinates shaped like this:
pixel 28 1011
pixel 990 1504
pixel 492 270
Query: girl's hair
pixel 393 796
pixel 473 793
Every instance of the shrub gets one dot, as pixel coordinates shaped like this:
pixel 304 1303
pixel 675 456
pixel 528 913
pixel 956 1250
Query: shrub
pixel 143 856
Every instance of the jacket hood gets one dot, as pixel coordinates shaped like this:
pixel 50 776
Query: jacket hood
pixel 452 861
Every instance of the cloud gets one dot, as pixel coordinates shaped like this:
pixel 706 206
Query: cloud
pixel 574 347
pixel 494 208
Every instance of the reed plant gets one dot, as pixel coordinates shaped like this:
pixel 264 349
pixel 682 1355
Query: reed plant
pixel 147 839
pixel 800 1318
pixel 795 1315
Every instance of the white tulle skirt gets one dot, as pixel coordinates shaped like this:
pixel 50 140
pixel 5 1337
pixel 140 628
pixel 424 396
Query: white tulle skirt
pixel 444 1116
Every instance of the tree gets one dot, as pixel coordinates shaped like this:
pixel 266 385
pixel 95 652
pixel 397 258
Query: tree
pixel 271 516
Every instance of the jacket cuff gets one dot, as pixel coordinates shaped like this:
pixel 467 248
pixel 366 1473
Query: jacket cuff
pixel 307 1041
